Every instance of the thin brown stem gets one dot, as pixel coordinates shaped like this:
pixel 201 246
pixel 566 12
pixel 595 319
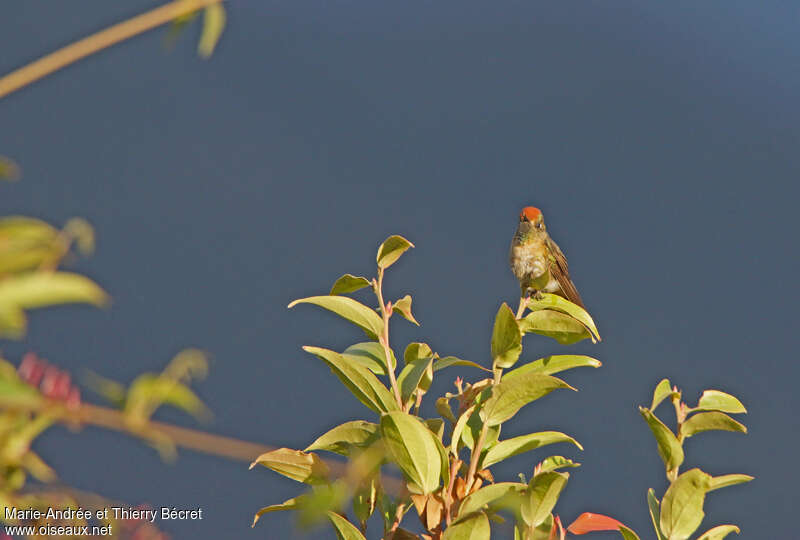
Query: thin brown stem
pixel 97 42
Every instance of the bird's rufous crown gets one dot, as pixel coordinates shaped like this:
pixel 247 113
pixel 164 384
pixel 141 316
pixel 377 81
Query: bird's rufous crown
pixel 531 213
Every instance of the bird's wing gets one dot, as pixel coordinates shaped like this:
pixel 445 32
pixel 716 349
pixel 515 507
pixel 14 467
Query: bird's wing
pixel 560 271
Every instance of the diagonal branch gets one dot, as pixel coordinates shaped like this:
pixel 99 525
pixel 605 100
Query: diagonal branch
pixel 97 42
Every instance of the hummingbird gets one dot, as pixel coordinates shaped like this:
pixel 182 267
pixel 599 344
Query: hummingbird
pixel 537 261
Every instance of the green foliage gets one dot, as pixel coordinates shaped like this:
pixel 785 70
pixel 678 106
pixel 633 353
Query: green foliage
pixel 445 462
pixel 445 485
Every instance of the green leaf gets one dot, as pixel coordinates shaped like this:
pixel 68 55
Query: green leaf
pixel 358 379
pixel 391 249
pixel 291 504
pixel 448 361
pixel 458 429
pixel 344 529
pixel 473 430
pixel 550 365
pixel 476 527
pixel 557 303
pixel 148 392
pixel 41 289
pixel 295 464
pixel 719 532
pixel 416 351
pixel 15 393
pixel 490 496
pixel 414 449
pixel 213 25
pixel 714 400
pixel 627 534
pixel 506 338
pixel 726 480
pixel 662 391
pixel 509 396
pixel 707 421
pixel 563 328
pixel 371 355
pixel 669 448
pixel 544 491
pixel 355 312
pixel 403 307
pixel 413 377
pixel 28 244
pixel 436 425
pixel 365 500
pixel 8 169
pixel 682 507
pixel 443 408
pixel 12 322
pixel 553 463
pixel 655 513
pixel 524 443
pixel 349 283
pixel 343 437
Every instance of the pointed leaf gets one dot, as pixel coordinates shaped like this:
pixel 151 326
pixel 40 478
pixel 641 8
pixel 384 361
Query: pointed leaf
pixel 559 303
pixel 443 408
pixel 589 522
pixel 349 283
pixel 510 396
pixel 707 421
pixel 662 391
pixel 655 513
pixel 344 529
pixel 476 527
pixel 448 361
pixel 412 375
pixel 669 448
pixel 291 504
pixel 300 466
pixel 543 494
pixel 391 250
pixel 506 338
pixel 559 326
pixel 682 507
pixel 414 449
pixel 550 365
pixel 403 307
pixel 358 379
pixel 213 25
pixel 40 289
pixel 719 532
pixel 726 480
pixel 553 463
pixel 490 496
pixel 524 443
pixel 714 400
pixel 371 355
pixel 343 437
pixel 355 312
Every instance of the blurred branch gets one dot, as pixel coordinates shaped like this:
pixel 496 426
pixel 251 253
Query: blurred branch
pixel 192 439
pixel 97 42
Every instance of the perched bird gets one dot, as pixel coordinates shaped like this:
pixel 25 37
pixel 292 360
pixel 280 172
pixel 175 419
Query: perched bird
pixel 537 261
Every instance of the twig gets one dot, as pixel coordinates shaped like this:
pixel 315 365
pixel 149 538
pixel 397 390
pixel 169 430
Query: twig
pixel 97 42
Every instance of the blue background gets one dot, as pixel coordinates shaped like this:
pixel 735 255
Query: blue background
pixel 659 139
